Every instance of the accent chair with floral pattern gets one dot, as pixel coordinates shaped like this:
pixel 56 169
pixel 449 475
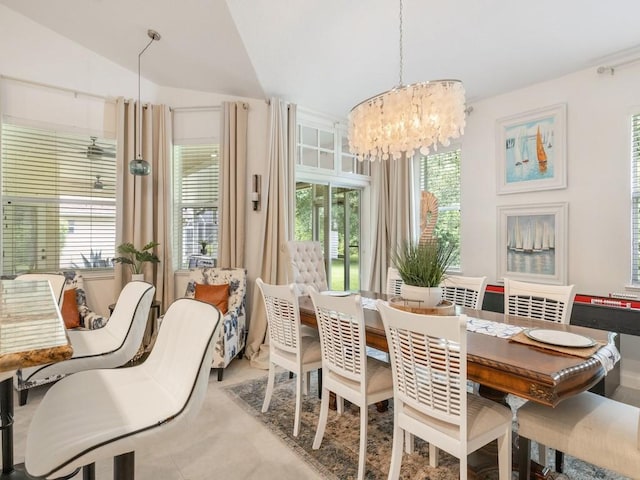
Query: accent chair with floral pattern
pixel 231 341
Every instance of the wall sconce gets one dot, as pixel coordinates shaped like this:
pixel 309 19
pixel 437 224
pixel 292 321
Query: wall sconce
pixel 255 192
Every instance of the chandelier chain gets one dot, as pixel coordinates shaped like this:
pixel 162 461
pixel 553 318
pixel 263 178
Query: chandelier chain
pixel 401 52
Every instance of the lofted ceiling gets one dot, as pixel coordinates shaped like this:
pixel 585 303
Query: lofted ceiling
pixel 328 55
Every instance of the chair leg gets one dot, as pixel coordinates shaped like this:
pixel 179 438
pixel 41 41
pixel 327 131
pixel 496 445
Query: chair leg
pixel 434 455
pixel 464 472
pixel 408 442
pixel 220 374
pixel 322 419
pixel 23 397
pixel 362 457
pixel 396 452
pixel 542 454
pixel 296 421
pixel 320 383
pixel 524 458
pixel 269 391
pixel 504 455
pixel 290 374
pixel 89 472
pixel 559 461
pixel 124 466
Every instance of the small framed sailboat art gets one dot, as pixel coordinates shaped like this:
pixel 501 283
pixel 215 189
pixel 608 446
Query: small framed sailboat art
pixel 532 241
pixel 531 150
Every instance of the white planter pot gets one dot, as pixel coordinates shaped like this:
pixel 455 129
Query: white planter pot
pixel 138 277
pixel 430 297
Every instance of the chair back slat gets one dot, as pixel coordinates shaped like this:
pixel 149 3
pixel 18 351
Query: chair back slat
pixel 428 360
pixel 545 302
pixel 465 291
pixel 394 282
pixel 283 316
pixel 342 334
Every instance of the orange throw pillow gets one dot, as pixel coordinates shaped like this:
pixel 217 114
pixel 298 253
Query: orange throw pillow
pixel 217 295
pixel 70 313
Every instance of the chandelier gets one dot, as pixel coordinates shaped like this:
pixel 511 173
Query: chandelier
pixel 407 118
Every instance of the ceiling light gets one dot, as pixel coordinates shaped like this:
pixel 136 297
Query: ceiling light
pixel 407 118
pixel 139 166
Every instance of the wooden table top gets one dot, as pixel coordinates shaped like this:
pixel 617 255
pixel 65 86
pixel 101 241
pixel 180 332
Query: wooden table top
pixel 540 375
pixel 31 328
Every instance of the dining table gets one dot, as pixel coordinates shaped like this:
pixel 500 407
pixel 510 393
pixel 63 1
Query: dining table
pixel 504 357
pixel 32 333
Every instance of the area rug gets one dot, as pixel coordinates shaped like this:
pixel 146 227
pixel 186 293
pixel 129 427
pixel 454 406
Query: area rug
pixel 337 458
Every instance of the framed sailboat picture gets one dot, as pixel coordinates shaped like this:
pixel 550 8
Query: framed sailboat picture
pixel 531 150
pixel 532 242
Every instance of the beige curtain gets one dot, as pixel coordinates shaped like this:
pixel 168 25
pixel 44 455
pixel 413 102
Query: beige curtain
pixel 277 221
pixel 233 176
pixel 143 210
pixel 392 214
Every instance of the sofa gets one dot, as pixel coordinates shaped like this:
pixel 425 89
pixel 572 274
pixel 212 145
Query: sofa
pixel 232 337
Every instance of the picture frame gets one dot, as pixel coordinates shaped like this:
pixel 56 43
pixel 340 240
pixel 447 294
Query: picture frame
pixel 532 242
pixel 531 150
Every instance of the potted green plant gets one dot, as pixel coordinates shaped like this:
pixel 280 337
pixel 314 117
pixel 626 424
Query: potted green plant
pixel 135 259
pixel 422 267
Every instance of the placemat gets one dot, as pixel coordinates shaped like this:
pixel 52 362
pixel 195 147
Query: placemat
pixel 576 352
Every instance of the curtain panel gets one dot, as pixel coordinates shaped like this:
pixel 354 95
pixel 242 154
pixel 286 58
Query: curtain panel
pixel 233 181
pixel 277 227
pixel 144 203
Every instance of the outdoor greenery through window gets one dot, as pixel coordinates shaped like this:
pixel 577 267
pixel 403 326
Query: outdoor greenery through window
pixel 58 200
pixel 196 172
pixel 440 175
pixel 635 198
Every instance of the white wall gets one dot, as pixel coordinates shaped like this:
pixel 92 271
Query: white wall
pixel 598 192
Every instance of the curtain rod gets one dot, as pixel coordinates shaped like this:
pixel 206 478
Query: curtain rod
pixel 55 87
pixel 204 107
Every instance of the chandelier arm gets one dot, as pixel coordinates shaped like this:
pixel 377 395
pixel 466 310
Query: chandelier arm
pixel 138 139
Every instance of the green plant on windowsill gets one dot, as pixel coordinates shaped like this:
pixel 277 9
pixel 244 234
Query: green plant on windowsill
pixel 135 258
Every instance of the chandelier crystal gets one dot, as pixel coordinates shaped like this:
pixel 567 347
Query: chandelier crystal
pixel 407 118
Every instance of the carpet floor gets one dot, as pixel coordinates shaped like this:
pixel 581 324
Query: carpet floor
pixel 337 457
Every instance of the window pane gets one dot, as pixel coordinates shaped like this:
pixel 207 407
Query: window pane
pixel 196 172
pixel 326 140
pixel 309 136
pixel 440 175
pixel 326 160
pixel 58 200
pixel 635 192
pixel 309 157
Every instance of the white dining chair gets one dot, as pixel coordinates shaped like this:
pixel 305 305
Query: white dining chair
pixel 535 300
pixel 306 266
pixel 347 371
pixel 598 430
pixel 288 348
pixel 394 282
pixel 464 291
pixel 126 409
pixel 429 365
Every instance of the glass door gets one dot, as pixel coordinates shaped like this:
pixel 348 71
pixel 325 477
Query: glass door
pixel 331 215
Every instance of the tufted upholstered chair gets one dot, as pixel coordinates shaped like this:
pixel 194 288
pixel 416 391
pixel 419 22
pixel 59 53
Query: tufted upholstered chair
pixel 595 429
pixel 232 336
pixel 129 409
pixel 306 266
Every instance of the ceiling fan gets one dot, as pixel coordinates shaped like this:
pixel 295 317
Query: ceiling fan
pixel 95 151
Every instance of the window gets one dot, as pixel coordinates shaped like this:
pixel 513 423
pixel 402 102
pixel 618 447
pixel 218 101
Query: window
pixel 196 172
pixel 635 198
pixel 440 175
pixel 58 200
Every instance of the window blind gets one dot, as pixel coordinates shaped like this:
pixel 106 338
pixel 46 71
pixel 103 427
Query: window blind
pixel 196 172
pixel 58 200
pixel 440 175
pixel 635 198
